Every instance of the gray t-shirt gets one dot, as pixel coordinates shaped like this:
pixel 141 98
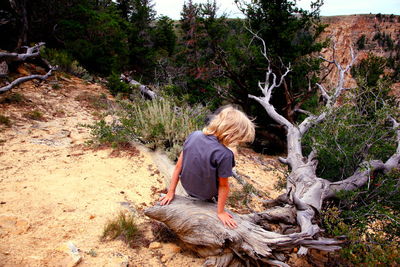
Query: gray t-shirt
pixel 204 160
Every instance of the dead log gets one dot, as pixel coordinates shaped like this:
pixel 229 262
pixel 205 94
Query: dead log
pixel 144 90
pixel 31 52
pixel 197 225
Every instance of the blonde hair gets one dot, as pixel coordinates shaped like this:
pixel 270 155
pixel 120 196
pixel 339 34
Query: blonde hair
pixel 231 127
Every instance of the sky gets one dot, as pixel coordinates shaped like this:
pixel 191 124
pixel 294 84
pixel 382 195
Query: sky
pixel 172 8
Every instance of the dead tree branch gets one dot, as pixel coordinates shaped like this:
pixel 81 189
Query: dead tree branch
pixel 144 90
pixel 31 52
pixel 25 79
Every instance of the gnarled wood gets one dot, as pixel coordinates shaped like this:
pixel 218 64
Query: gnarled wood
pixel 199 227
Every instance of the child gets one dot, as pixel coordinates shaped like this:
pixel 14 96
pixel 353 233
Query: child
pixel 206 162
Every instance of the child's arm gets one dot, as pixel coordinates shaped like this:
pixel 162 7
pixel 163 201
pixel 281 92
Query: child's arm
pixel 165 200
pixel 223 191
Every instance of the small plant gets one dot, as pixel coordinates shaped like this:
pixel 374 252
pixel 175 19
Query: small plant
pixel 34 115
pixel 55 86
pixel 123 227
pixel 115 85
pixel 240 199
pixel 13 98
pixel 110 134
pixel 369 218
pixel 5 121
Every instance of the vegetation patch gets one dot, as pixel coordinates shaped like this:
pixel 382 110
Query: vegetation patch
pixel 5 120
pixel 13 98
pixel 123 227
pixel 34 115
pixel 370 219
pixel 240 199
pixel 157 124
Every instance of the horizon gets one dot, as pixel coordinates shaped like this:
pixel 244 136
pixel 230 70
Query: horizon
pixel 330 8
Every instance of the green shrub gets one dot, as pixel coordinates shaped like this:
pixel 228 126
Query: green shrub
pixel 361 42
pixel 370 219
pixel 115 85
pixel 123 227
pixel 157 124
pixel 161 124
pixel 58 57
pixel 359 129
pixel 109 133
pixel 63 60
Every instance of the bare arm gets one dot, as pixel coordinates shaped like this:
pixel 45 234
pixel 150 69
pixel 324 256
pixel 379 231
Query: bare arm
pixel 223 191
pixel 165 200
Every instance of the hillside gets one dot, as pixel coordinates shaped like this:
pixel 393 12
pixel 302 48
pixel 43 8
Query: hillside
pixel 56 189
pixel 381 37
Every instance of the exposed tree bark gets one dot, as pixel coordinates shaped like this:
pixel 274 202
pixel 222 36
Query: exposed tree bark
pixel 144 90
pixel 200 229
pixel 198 225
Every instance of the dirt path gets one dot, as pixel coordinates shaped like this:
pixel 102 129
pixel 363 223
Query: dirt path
pixel 55 190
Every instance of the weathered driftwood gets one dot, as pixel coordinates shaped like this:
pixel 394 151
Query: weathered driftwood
pixel 144 90
pixel 31 52
pixel 197 225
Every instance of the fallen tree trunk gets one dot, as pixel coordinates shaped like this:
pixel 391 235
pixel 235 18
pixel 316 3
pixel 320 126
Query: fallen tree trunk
pixel 144 90
pixel 197 225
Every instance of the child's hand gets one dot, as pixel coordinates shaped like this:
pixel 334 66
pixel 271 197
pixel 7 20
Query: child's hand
pixel 165 200
pixel 227 220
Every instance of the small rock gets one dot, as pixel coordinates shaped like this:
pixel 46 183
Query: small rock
pixel 155 245
pixel 172 248
pixel 74 257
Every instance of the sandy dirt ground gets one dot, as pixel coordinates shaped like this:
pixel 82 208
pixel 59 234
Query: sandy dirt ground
pixel 56 191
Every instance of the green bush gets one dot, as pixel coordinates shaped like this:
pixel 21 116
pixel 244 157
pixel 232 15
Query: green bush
pixel 370 219
pixel 34 115
pixel 115 85
pixel 157 124
pixel 359 129
pixel 162 124
pixel 63 60
pixel 13 98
